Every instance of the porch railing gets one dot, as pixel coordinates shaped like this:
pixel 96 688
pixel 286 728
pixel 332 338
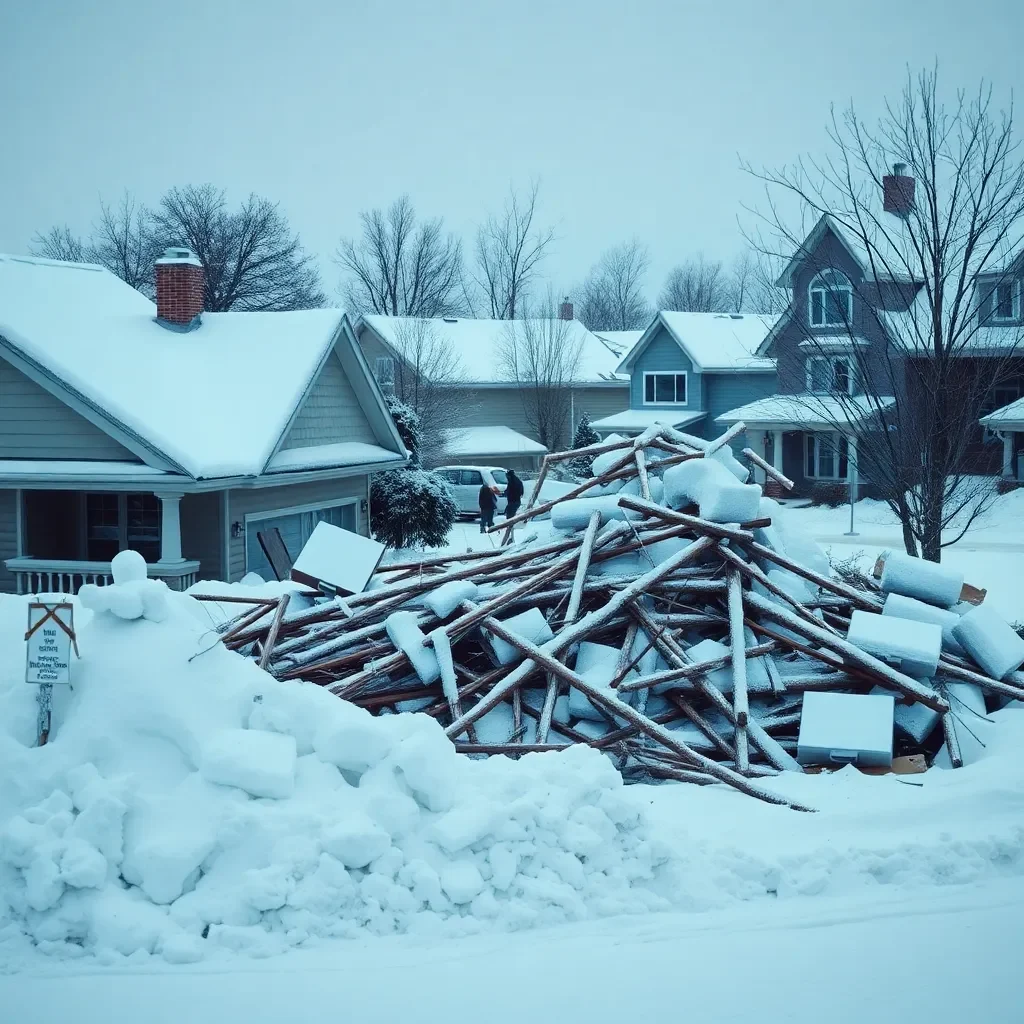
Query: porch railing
pixel 57 576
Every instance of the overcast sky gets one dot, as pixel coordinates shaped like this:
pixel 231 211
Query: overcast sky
pixel 633 114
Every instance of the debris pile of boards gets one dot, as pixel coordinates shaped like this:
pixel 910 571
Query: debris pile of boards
pixel 664 612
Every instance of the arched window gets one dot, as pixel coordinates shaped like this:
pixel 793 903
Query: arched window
pixel 830 300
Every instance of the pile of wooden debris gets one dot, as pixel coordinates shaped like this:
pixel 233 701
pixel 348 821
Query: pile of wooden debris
pixel 666 615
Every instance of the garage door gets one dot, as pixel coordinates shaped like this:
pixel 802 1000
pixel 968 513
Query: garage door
pixel 296 528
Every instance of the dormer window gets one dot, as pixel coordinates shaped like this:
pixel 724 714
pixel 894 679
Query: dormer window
pixel 1005 299
pixel 831 300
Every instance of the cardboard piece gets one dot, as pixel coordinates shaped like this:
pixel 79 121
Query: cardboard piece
pixel 337 561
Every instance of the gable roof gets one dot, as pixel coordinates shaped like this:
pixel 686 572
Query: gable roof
pixel 477 345
pixel 714 342
pixel 889 264
pixel 211 402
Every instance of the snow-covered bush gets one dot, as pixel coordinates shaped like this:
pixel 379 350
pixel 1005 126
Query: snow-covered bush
pixel 407 421
pixel 585 435
pixel 411 507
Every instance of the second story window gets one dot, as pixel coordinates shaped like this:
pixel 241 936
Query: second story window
pixel 384 369
pixel 664 389
pixel 830 300
pixel 827 375
pixel 1004 301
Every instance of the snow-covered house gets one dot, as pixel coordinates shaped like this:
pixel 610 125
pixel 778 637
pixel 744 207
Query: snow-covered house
pixel 131 424
pixel 688 368
pixel 494 414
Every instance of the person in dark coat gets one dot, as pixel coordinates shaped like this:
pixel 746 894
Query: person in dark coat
pixel 488 503
pixel 513 494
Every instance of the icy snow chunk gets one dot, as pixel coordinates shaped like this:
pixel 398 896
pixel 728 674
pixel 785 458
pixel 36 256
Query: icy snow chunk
pixel 461 881
pixel 727 458
pixel 530 625
pixel 917 577
pixel 916 720
pixel 846 728
pixel 990 641
pixel 353 740
pixel 720 497
pixel 356 841
pixel 447 598
pixel 603 463
pixel 261 763
pixel 575 513
pixel 596 664
pixel 908 645
pixel 404 631
pixel 463 826
pixel 910 608
pixel 705 650
pixel 430 767
pixel 127 567
pixel 82 866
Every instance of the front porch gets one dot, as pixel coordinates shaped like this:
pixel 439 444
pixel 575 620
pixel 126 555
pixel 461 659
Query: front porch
pixel 64 539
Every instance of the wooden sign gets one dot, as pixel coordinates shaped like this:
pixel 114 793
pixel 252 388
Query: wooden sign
pixel 49 640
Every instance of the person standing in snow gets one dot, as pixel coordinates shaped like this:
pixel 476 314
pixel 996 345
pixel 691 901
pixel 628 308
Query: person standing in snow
pixel 488 503
pixel 513 494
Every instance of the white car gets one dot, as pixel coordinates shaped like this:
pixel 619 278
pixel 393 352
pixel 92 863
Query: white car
pixel 466 482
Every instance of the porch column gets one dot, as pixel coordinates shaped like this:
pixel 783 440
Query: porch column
pixel 170 528
pixel 758 442
pixel 1008 470
pixel 777 450
pixel 851 464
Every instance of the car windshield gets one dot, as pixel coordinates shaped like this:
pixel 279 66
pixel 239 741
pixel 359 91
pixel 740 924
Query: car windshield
pixel 499 476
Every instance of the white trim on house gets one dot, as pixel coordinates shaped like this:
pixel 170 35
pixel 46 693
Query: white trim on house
pixel 291 510
pixel 675 374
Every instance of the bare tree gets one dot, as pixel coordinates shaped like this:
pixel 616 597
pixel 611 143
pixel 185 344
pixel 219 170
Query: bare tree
pixel 401 266
pixel 59 243
pixel 508 251
pixel 542 356
pixel 251 259
pixel 611 298
pixel 425 368
pixel 697 286
pixel 918 397
pixel 125 243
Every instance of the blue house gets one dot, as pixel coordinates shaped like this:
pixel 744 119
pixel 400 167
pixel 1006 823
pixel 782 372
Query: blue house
pixel 687 369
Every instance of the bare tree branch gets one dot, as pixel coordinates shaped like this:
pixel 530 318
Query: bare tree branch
pixel 508 253
pixel 59 243
pixel 697 286
pixel 611 298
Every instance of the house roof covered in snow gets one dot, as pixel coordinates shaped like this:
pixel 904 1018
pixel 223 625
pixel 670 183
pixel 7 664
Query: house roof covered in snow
pixel 459 442
pixel 620 342
pixel 639 420
pixel 1009 417
pixel 479 345
pixel 214 401
pixel 715 342
pixel 805 411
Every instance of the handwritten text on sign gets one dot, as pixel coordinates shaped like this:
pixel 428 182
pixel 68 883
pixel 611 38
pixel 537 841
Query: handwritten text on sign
pixel 49 644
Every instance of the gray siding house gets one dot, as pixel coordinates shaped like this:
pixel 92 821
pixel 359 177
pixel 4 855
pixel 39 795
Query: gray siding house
pixel 178 433
pixel 494 420
pixel 687 369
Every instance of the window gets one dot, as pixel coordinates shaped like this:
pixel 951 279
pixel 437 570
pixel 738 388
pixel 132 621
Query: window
pixel 451 475
pixel 500 476
pixel 826 457
pixel 384 369
pixel 116 522
pixel 664 389
pixel 1004 301
pixel 827 375
pixel 831 300
pixel 471 477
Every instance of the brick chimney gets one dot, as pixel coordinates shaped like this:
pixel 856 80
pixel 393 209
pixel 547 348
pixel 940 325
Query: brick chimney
pixel 179 287
pixel 565 309
pixel 898 192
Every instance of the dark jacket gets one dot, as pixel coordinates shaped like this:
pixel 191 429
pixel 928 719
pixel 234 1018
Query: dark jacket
pixel 488 499
pixel 514 490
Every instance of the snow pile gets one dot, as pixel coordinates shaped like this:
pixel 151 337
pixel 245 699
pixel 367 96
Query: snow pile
pixel 712 484
pixel 133 595
pixel 188 801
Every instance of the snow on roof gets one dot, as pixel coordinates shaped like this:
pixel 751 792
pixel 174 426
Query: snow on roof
pixel 478 345
pixel 330 456
pixel 91 469
pixel 714 341
pixel 215 400
pixel 620 342
pixel 1008 417
pixel 804 410
pixel 641 419
pixel 463 441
